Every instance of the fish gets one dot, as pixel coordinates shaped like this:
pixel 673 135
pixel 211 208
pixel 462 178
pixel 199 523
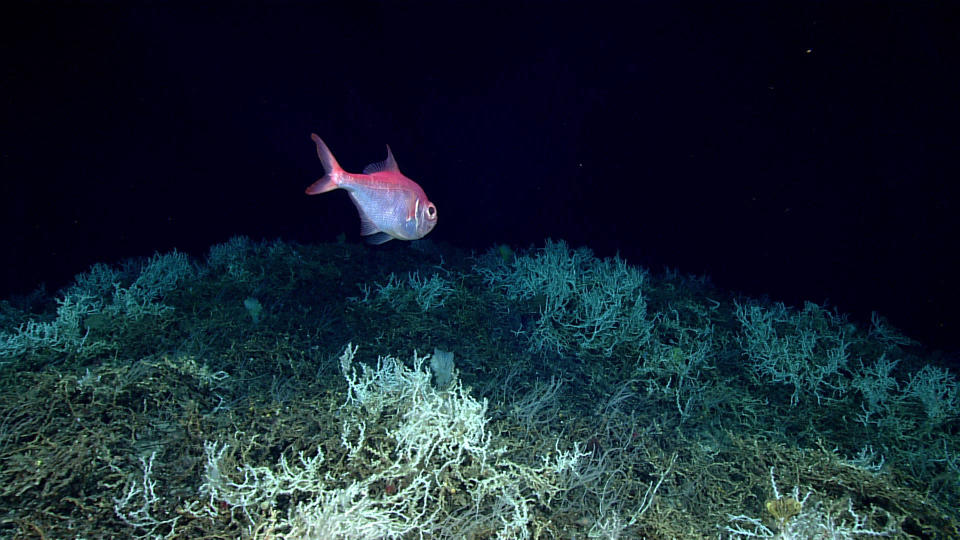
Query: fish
pixel 390 204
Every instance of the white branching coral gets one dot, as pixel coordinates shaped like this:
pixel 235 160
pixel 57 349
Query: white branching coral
pixel 446 477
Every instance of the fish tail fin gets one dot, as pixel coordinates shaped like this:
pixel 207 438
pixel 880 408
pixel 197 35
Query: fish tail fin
pixel 331 180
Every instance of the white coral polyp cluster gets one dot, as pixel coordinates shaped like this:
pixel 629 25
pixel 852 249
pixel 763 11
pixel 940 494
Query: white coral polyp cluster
pixel 446 477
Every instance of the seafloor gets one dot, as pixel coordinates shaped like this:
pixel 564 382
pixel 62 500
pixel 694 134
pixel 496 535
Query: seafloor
pixel 171 397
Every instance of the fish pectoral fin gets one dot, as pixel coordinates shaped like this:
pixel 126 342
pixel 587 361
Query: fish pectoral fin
pixel 367 226
pixel 378 238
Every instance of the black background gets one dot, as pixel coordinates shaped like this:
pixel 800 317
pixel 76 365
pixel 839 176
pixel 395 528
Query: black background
pixel 801 150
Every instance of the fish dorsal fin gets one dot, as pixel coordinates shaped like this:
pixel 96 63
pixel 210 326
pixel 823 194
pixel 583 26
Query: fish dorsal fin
pixel 388 164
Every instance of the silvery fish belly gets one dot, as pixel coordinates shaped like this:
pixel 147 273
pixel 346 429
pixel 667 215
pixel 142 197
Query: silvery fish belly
pixel 390 210
pixel 390 204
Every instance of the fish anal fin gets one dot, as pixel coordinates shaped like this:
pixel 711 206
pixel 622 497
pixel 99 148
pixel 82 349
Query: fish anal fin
pixel 378 238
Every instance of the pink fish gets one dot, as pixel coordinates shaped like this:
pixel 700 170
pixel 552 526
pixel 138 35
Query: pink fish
pixel 390 204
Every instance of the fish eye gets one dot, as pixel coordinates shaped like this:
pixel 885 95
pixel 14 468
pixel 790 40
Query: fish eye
pixel 431 211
